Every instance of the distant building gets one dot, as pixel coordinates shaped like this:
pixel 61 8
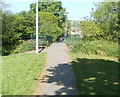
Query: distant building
pixel 76 31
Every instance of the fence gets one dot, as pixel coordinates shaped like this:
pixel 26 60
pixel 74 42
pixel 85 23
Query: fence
pixel 43 40
pixel 71 39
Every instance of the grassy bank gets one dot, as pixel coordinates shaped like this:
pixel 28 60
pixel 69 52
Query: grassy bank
pixel 95 74
pixel 20 73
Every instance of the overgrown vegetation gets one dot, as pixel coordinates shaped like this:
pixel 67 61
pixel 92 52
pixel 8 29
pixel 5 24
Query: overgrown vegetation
pixel 20 73
pixel 99 35
pixel 98 47
pixel 30 44
pixel 24 47
pixel 21 26
pixel 104 22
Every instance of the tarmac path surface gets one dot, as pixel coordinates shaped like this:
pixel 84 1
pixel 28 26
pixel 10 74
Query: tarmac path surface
pixel 58 78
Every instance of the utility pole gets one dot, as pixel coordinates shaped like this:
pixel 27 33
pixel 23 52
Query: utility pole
pixel 37 51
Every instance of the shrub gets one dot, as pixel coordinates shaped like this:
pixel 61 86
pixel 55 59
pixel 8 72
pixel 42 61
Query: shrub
pixel 25 46
pixel 29 45
pixel 98 47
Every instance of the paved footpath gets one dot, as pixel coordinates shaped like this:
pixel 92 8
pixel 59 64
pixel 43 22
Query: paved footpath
pixel 58 78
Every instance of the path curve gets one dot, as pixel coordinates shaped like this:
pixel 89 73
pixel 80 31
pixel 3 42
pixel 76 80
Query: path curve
pixel 58 78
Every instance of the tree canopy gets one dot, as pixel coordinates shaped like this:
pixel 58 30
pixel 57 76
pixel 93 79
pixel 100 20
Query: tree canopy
pixel 104 22
pixel 49 25
pixel 53 7
pixel 21 26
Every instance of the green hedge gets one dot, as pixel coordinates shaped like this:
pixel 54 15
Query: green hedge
pixel 29 45
pixel 97 47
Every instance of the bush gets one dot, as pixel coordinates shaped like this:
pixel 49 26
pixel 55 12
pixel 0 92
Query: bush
pixel 25 46
pixel 98 47
pixel 29 45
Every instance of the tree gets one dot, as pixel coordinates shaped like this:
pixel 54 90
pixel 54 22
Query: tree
pixel 21 26
pixel 106 16
pixel 2 6
pixel 25 24
pixel 55 8
pixel 49 25
pixel 104 22
pixel 9 37
pixel 68 26
pixel 90 30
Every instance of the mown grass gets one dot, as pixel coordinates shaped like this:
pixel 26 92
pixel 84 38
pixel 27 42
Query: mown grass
pixel 95 74
pixel 20 73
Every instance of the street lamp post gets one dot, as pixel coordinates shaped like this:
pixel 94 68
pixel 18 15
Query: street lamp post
pixel 65 34
pixel 37 27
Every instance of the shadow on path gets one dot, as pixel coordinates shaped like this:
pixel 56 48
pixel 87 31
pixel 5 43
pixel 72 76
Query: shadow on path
pixel 62 75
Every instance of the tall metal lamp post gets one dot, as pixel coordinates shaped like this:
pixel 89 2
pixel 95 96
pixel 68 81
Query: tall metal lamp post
pixel 37 51
pixel 65 34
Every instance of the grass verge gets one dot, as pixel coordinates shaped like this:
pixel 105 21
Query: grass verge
pixel 20 73
pixel 95 75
